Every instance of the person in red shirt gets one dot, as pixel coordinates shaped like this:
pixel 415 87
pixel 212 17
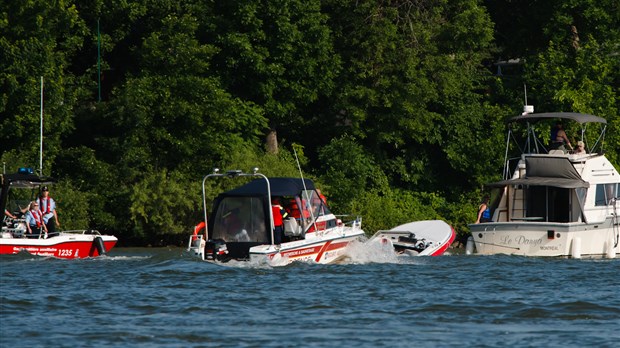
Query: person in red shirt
pixel 279 214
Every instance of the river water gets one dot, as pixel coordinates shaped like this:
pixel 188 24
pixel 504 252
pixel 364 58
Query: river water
pixel 141 297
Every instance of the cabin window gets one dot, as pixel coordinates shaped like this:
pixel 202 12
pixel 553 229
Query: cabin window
pixel 548 203
pixel 240 219
pixel 605 193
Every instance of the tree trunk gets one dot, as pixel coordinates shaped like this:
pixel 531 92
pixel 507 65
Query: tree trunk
pixel 272 142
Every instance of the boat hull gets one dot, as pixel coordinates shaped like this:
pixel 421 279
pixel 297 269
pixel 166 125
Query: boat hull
pixel 547 239
pixel 64 246
pixel 329 248
pixel 431 238
pixel 317 247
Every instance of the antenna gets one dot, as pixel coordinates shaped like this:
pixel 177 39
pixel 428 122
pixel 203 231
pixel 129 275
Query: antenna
pixel 527 109
pixel 303 182
pixel 41 137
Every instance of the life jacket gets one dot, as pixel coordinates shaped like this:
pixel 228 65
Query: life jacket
pixel 36 214
pixel 294 209
pixel 304 208
pixel 48 204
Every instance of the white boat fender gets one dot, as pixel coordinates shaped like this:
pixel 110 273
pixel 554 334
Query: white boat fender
pixel 576 248
pixel 469 247
pixel 98 242
pixel 611 250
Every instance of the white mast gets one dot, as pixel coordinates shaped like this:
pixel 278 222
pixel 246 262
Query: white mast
pixel 41 136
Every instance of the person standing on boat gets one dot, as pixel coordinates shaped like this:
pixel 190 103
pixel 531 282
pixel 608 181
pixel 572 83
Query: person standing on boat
pixel 559 138
pixel 484 211
pixel 279 214
pixel 48 207
pixel 34 220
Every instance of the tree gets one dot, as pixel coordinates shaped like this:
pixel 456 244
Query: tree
pixel 411 89
pixel 276 54
pixel 37 39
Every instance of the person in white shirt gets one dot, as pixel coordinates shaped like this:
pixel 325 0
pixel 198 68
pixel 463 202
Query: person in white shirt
pixel 48 207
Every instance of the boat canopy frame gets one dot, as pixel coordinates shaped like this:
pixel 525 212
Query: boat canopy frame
pixel 533 144
pixel 261 187
pixel 234 174
pixel 20 181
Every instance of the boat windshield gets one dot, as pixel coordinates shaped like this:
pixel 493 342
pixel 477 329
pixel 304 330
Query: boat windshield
pixel 18 200
pixel 240 219
pixel 317 205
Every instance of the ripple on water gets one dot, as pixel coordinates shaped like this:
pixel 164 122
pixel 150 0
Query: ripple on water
pixel 157 297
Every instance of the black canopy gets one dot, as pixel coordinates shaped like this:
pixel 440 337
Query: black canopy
pixel 278 186
pixel 26 180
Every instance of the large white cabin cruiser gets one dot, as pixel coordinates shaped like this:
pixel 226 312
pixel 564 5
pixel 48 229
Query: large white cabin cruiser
pixel 552 202
pixel 241 224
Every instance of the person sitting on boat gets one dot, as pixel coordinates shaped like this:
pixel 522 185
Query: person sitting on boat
pixel 48 207
pixel 279 214
pixel 559 138
pixel 34 220
pixel 484 211
pixel 581 148
pixel 8 213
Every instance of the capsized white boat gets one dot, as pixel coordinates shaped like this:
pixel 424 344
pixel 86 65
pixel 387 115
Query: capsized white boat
pixel 418 238
pixel 241 224
pixel 553 203
pixel 19 189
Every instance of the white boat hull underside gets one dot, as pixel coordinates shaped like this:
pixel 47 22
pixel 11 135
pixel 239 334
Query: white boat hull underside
pixel 418 238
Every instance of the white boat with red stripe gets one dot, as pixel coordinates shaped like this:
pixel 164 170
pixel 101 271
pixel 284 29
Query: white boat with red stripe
pixel 19 189
pixel 241 224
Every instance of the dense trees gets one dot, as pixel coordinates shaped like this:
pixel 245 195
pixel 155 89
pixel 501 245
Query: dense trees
pixel 396 108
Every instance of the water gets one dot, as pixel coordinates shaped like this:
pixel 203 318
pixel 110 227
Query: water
pixel 158 297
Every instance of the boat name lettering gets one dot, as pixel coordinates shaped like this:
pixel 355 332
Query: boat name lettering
pixel 549 247
pixel 34 249
pixel 299 252
pixel 520 240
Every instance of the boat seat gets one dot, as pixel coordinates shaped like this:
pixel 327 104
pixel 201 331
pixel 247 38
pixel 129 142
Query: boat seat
pixel 292 228
pixel 556 152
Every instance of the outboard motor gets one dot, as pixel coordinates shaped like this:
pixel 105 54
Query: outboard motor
pixel 215 249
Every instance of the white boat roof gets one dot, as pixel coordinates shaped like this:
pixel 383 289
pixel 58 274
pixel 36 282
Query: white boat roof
pixel 573 116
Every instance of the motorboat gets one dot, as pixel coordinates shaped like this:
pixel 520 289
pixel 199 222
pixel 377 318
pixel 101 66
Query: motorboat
pixel 553 202
pixel 241 227
pixel 17 190
pixel 418 238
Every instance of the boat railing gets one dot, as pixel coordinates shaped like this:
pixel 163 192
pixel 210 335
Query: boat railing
pixel 88 231
pixel 195 241
pixel 233 174
pixel 357 222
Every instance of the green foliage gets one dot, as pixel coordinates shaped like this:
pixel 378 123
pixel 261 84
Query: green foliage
pixel 395 207
pixel 277 54
pixel 349 172
pixel 72 206
pixel 158 201
pixel 37 39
